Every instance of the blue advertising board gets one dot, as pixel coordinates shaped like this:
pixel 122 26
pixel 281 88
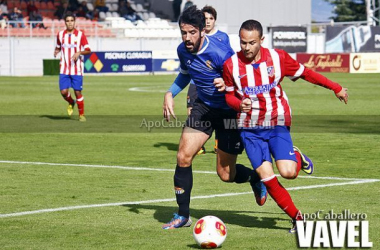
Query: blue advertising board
pixel 165 61
pixel 118 62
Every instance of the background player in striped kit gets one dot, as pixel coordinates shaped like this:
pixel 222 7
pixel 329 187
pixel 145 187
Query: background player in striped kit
pixel 211 31
pixel 73 45
pixel 253 84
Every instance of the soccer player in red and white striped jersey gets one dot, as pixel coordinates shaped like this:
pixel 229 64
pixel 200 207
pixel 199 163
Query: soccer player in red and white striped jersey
pixel 73 45
pixel 253 79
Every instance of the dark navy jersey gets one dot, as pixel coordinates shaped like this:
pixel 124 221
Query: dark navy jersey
pixel 203 67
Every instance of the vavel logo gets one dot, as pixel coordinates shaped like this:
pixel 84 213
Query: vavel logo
pixel 344 229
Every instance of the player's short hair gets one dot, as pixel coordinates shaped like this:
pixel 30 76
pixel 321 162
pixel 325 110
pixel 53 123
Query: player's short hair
pixel 209 9
pixel 194 17
pixel 252 25
pixel 69 14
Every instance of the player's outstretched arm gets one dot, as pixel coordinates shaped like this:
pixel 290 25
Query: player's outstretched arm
pixel 342 95
pixel 318 79
pixel 168 106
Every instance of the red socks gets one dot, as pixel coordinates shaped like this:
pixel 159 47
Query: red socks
pixel 80 104
pixel 68 98
pixel 281 196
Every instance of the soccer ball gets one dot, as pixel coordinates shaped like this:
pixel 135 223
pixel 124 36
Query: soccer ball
pixel 209 232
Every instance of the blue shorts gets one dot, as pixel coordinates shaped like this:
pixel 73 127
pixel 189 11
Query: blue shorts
pixel 69 81
pixel 261 143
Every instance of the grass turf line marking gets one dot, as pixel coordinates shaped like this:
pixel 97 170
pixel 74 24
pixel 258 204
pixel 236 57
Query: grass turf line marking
pixel 158 169
pixel 173 199
pixel 146 89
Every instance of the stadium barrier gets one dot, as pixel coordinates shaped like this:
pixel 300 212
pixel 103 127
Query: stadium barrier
pixel 130 62
pixel 50 67
pixel 341 63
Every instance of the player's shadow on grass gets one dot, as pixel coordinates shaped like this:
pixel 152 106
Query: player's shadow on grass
pixel 169 146
pixel 56 117
pixel 240 218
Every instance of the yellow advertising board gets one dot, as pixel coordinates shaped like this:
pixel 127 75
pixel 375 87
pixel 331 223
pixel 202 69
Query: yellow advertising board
pixel 365 63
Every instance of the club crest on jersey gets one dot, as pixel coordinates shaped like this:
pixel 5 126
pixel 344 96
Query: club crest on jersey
pixel 188 62
pixel 209 64
pixel 270 71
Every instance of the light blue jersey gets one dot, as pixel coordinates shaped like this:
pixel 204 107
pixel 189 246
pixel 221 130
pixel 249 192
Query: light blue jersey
pixel 203 67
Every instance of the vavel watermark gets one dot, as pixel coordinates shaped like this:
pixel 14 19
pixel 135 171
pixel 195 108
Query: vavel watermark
pixel 333 229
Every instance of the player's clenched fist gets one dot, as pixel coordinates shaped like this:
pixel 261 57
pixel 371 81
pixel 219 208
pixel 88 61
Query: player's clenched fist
pixel 219 84
pixel 246 105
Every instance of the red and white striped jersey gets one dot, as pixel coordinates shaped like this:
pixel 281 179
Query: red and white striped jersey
pixel 261 83
pixel 69 44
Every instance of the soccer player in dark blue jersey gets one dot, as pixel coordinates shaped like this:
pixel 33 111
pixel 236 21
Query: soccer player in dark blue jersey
pixel 201 60
pixel 211 31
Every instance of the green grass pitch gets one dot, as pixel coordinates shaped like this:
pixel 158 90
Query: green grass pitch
pixel 133 201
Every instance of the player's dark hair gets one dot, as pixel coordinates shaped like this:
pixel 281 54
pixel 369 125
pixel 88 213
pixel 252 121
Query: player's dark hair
pixel 209 9
pixel 69 14
pixel 194 17
pixel 252 25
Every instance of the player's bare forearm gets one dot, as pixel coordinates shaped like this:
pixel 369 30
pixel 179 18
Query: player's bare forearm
pixel 85 52
pixel 56 51
pixel 79 53
pixel 168 106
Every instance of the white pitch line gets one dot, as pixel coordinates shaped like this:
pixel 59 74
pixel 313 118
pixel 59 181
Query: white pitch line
pixel 170 200
pixel 101 166
pixel 160 169
pixel 146 89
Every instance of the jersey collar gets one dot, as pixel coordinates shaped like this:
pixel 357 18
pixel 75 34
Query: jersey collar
pixel 204 46
pixel 214 32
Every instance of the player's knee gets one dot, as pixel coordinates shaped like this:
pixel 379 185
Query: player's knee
pixel 64 92
pixel 78 93
pixel 184 159
pixel 288 173
pixel 224 176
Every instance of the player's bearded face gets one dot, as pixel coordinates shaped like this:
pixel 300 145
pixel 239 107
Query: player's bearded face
pixel 192 37
pixel 250 44
pixel 70 23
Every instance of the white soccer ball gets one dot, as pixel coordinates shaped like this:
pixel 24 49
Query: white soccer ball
pixel 209 232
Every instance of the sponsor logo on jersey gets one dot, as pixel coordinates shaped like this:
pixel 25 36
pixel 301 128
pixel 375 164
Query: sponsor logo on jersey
pixel 69 46
pixel 260 89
